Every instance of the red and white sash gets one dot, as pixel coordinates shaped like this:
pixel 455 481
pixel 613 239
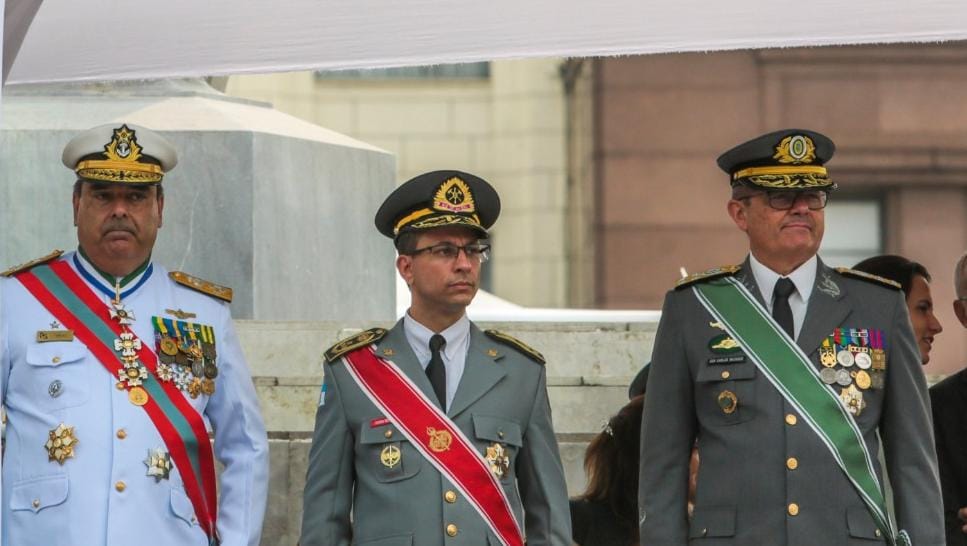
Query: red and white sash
pixel 436 437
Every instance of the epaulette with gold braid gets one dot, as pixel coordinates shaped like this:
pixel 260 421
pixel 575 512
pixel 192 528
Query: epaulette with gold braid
pixel 862 275
pixel 32 263
pixel 201 285
pixel 516 344
pixel 361 339
pixel 714 273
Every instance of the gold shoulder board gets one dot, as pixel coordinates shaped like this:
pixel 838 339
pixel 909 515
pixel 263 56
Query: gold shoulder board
pixel 862 275
pixel 714 273
pixel 201 285
pixel 517 344
pixel 349 344
pixel 32 263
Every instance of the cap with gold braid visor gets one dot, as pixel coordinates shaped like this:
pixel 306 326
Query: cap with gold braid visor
pixel 120 154
pixel 439 199
pixel 791 159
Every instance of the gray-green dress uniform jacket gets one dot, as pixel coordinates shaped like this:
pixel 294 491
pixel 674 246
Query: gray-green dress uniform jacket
pixel 501 398
pixel 760 464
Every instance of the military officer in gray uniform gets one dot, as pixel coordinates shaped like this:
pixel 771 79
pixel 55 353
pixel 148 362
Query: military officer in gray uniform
pixel 767 476
pixel 373 479
pixel 114 371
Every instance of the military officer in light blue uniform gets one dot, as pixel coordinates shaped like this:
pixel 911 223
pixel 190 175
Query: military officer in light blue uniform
pixel 89 460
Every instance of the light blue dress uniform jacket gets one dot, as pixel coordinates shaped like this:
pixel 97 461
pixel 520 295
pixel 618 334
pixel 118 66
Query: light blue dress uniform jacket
pixel 78 503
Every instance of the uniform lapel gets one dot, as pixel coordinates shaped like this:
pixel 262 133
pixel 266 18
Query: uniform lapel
pixel 395 347
pixel 480 373
pixel 825 311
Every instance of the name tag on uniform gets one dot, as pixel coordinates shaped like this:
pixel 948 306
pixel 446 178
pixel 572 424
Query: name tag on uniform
pixel 723 360
pixel 45 336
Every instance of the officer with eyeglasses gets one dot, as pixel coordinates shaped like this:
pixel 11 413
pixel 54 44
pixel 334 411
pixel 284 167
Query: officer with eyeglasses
pixel 785 371
pixel 434 432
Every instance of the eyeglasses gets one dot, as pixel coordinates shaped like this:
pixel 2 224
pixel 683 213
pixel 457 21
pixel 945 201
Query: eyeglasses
pixel 449 251
pixel 784 200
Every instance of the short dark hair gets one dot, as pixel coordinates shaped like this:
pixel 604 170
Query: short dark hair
pixel 406 242
pixel 79 183
pixel 893 267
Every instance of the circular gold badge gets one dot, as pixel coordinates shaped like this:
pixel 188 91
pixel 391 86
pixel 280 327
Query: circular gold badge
pixel 390 456
pixel 169 346
pixel 863 380
pixel 138 396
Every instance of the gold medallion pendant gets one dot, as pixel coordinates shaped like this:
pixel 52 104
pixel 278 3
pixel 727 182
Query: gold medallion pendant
pixel 390 456
pixel 440 440
pixel 498 460
pixel 60 444
pixel 138 396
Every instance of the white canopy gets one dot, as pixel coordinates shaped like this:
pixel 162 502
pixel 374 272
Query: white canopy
pixel 72 40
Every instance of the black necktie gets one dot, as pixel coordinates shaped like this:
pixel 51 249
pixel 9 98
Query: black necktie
pixel 436 371
pixel 780 307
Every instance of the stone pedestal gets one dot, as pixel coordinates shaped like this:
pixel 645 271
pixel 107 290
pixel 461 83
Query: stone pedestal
pixel 279 209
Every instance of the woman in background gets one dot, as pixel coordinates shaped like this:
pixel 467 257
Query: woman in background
pixel 915 283
pixel 607 513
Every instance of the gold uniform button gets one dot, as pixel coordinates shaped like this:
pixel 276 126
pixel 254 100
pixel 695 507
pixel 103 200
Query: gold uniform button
pixel 120 486
pixel 792 464
pixel 55 360
pixel 793 509
pixel 726 374
pixel 452 530
pixel 791 419
pixel 388 433
pixel 877 533
pixel 36 503
pixel 122 434
pixel 450 497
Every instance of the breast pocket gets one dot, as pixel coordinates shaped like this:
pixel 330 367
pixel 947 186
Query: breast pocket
pixel 725 394
pixel 38 503
pixel 502 440
pixel 58 375
pixel 388 453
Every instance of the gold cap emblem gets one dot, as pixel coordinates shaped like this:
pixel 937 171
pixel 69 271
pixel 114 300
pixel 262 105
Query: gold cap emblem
pixel 795 149
pixel 454 196
pixel 122 161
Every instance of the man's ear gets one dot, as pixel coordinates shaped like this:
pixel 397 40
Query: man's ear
pixel 404 265
pixel 960 309
pixel 738 214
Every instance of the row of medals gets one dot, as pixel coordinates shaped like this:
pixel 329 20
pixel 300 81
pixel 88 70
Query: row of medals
pixel 194 370
pixel 854 368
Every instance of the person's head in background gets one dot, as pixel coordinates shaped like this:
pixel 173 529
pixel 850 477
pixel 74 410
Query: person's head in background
pixel 960 289
pixel 611 464
pixel 914 280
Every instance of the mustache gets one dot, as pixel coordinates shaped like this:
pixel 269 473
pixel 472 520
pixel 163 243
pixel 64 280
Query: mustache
pixel 117 225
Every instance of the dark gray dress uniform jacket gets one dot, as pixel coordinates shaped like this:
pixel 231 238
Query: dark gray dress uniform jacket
pixel 761 459
pixel 502 397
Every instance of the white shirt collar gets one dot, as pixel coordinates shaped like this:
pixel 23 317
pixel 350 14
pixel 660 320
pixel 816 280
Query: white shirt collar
pixel 419 336
pixel 804 277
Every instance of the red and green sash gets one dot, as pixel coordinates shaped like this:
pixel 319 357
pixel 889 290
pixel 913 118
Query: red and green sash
pixel 65 295
pixel 436 438
pixel 788 368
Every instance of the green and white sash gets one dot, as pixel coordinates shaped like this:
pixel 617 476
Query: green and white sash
pixel 789 370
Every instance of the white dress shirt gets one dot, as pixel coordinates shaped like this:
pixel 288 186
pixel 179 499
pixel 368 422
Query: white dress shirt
pixel 454 353
pixel 803 278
